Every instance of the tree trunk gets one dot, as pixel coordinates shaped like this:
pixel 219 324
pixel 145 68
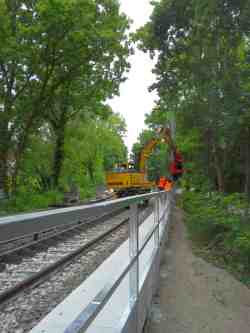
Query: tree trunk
pixel 20 149
pixel 219 172
pixel 4 150
pixel 247 169
pixel 208 162
pixel 3 174
pixel 59 150
pixel 91 172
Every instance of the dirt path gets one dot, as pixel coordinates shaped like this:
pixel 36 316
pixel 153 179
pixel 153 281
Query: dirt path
pixel 195 296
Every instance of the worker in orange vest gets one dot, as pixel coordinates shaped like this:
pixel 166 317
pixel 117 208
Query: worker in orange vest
pixel 165 184
pixel 161 183
pixel 168 185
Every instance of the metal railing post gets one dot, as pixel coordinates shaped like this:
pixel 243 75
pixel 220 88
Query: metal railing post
pixel 163 205
pixel 156 221
pixel 166 206
pixel 133 252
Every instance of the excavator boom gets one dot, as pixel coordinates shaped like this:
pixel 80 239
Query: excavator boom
pixel 146 152
pixel 164 136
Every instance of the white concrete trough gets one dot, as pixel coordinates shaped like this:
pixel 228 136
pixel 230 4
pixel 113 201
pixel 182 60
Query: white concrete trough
pixel 117 296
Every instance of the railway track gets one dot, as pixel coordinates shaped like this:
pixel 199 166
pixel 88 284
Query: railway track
pixel 47 252
pixel 17 245
pixel 28 267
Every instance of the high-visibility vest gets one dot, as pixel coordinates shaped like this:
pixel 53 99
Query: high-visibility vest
pixel 168 185
pixel 162 182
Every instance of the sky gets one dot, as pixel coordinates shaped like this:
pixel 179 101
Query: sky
pixel 135 100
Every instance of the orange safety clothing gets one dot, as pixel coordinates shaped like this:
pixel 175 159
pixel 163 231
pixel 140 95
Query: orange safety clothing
pixel 161 184
pixel 168 185
pixel 165 184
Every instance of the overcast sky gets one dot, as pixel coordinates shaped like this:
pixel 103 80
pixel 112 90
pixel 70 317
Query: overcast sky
pixel 135 100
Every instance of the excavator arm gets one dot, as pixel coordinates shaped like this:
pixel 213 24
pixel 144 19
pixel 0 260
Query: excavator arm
pixel 164 135
pixel 146 152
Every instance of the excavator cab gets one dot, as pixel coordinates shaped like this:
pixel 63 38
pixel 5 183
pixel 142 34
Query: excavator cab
pixel 124 167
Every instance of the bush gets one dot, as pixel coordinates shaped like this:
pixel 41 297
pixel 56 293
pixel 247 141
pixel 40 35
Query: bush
pixel 29 201
pixel 221 223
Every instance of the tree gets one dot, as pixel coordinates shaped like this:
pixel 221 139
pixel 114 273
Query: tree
pixel 91 149
pixel 199 73
pixel 52 47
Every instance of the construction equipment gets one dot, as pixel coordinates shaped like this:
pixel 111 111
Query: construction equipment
pixel 125 180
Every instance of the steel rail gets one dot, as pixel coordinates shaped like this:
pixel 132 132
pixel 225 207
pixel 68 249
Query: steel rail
pixel 43 275
pixel 79 225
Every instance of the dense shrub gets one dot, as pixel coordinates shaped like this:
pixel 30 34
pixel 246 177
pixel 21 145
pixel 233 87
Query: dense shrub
pixel 221 224
pixel 29 201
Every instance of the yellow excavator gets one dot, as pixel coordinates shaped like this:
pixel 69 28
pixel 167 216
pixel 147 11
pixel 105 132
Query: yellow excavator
pixel 125 180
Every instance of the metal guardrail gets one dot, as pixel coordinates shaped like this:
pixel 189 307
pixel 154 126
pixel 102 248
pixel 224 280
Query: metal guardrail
pixel 141 288
pixel 22 225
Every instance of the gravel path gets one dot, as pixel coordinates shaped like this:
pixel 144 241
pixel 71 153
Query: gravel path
pixel 195 296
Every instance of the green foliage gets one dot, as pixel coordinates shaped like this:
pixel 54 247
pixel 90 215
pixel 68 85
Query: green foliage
pixel 202 72
pixel 91 149
pixel 58 60
pixel 220 223
pixel 36 167
pixel 28 201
